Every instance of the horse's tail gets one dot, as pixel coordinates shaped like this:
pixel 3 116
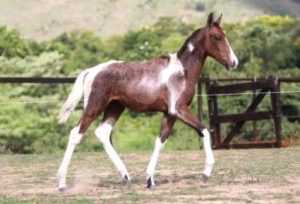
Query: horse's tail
pixel 73 99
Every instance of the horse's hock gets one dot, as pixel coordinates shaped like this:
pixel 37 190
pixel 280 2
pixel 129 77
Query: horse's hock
pixel 260 88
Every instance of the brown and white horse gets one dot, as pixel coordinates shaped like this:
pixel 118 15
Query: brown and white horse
pixel 165 84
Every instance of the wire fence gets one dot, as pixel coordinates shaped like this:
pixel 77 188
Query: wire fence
pixel 60 102
pixel 203 95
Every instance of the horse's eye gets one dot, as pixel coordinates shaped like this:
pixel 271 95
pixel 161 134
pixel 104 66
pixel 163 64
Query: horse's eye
pixel 217 38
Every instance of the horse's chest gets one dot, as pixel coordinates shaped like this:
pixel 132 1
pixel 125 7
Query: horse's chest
pixel 173 78
pixel 176 87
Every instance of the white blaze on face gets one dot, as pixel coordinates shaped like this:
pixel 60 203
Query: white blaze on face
pixel 233 59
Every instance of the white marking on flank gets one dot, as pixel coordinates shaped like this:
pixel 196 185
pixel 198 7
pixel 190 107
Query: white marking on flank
pixel 209 158
pixel 82 87
pixel 103 134
pixel 90 76
pixel 148 83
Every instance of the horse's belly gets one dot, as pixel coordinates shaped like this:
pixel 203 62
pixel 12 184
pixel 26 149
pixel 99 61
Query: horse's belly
pixel 145 101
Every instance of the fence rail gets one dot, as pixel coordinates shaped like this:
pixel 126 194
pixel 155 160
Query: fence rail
pixel 36 80
pixel 280 79
pixel 214 88
pixel 260 87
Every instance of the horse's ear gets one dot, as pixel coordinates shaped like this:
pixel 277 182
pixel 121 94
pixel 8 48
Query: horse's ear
pixel 210 19
pixel 218 21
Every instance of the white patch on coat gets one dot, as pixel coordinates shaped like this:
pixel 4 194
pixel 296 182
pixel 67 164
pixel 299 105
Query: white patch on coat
pixel 148 84
pixel 191 47
pixel 103 134
pixel 209 158
pixel 90 76
pixel 234 60
pixel 174 67
pixel 174 94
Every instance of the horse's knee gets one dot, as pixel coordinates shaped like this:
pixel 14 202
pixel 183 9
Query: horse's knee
pixel 103 132
pixel 75 137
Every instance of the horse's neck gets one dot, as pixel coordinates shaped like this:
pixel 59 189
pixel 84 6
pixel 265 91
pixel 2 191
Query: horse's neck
pixel 192 63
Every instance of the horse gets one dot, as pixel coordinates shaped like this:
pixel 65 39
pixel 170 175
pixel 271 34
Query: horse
pixel 164 84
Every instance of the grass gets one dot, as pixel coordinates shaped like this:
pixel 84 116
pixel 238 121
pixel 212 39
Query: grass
pixel 243 176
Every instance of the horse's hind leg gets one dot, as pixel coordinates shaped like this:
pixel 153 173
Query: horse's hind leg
pixel 91 112
pixel 74 139
pixel 103 133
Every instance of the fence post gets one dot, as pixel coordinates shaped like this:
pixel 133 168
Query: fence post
pixel 217 126
pixel 211 114
pixel 275 98
pixel 200 105
pixel 254 124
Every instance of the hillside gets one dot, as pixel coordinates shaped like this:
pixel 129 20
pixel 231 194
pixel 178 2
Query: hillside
pixel 45 19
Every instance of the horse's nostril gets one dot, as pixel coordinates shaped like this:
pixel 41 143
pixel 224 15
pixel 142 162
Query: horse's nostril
pixel 234 63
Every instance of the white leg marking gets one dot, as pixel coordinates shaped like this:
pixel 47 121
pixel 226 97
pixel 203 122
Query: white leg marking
pixel 103 134
pixel 152 164
pixel 209 158
pixel 74 139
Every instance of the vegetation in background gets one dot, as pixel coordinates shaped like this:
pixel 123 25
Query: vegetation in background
pixel 268 45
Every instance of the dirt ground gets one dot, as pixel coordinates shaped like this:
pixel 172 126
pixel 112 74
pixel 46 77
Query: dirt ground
pixel 239 176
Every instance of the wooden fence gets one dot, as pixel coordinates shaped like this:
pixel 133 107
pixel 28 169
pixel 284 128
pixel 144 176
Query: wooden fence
pixel 260 87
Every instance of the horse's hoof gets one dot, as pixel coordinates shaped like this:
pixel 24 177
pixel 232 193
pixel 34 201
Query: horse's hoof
pixel 204 178
pixel 62 189
pixel 126 181
pixel 150 183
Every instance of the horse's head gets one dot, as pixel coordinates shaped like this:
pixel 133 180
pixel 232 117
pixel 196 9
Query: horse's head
pixel 216 44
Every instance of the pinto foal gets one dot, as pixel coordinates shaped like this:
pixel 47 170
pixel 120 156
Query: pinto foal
pixel 165 84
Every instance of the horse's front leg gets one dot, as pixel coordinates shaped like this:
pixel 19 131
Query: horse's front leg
pixel 166 126
pixel 184 115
